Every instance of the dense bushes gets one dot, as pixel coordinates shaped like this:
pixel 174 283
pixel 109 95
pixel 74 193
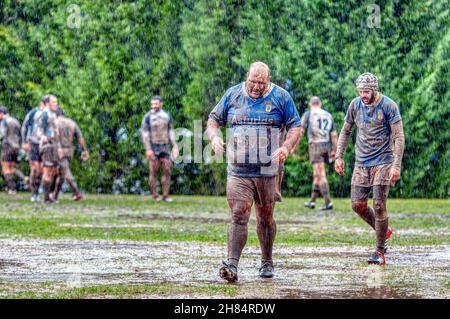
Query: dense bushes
pixel 105 61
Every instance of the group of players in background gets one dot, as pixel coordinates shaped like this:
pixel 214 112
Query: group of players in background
pixel 255 105
pixel 47 137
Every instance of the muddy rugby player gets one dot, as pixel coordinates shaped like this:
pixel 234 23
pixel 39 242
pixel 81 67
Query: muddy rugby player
pixel 10 139
pixel 256 113
pixel 31 145
pixel 157 136
pixel 321 131
pixel 68 131
pixel 48 146
pixel 379 151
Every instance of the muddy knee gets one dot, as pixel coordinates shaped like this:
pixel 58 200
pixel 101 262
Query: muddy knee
pixel 264 214
pixel 359 207
pixel 240 212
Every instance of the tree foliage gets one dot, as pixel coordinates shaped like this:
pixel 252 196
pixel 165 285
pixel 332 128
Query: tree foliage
pixel 106 60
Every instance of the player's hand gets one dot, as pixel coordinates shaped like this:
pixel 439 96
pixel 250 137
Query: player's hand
pixel 26 147
pixel 85 156
pixel 218 145
pixel 150 154
pixel 175 152
pixel 339 166
pixel 394 175
pixel 280 155
pixel 44 139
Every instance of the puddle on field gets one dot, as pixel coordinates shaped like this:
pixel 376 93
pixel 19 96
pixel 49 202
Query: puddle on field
pixel 301 272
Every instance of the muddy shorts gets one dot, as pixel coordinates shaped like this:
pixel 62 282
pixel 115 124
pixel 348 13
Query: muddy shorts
pixel 34 154
pixel 361 193
pixel 9 154
pixel 49 155
pixel 262 190
pixel 319 152
pixel 371 176
pixel 161 150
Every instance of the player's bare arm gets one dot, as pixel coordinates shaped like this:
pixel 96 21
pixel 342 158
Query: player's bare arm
pixel 302 132
pixel 173 142
pixel 85 153
pixel 334 142
pixel 344 138
pixel 292 139
pixel 398 140
pixel 213 131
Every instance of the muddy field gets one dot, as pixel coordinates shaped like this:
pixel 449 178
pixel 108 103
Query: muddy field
pixel 301 272
pixel 110 249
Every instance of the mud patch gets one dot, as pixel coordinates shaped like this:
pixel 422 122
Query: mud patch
pixel 301 272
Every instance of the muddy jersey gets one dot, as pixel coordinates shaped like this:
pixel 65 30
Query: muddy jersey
pixel 47 127
pixel 10 132
pixel 156 127
pixel 373 136
pixel 30 126
pixel 255 128
pixel 319 125
pixel 68 130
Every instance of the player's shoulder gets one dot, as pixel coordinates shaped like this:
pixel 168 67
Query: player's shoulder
pixel 354 103
pixel 388 102
pixel 281 92
pixel 306 114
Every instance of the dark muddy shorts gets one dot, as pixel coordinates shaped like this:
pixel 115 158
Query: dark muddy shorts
pixel 319 152
pixel 49 155
pixel 9 154
pixel 262 190
pixel 361 193
pixel 365 179
pixel 34 154
pixel 371 176
pixel 161 150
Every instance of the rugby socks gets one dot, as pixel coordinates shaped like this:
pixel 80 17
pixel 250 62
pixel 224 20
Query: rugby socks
pixel 369 216
pixel 9 179
pixel 237 238
pixel 315 192
pixel 381 228
pixel 165 183
pixel 35 182
pixel 71 181
pixel 19 174
pixel 47 189
pixel 325 190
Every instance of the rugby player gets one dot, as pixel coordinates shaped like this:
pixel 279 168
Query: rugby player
pixel 31 146
pixel 256 113
pixel 158 135
pixel 10 140
pixel 68 130
pixel 320 127
pixel 49 145
pixel 379 152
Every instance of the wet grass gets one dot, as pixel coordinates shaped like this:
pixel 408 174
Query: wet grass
pixel 204 219
pixel 47 291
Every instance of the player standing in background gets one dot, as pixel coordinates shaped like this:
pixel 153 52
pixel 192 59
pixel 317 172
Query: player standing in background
pixel 31 145
pixel 157 136
pixel 256 113
pixel 321 131
pixel 379 152
pixel 49 145
pixel 10 140
pixel 68 130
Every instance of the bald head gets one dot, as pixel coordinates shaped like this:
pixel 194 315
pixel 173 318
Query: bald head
pixel 258 79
